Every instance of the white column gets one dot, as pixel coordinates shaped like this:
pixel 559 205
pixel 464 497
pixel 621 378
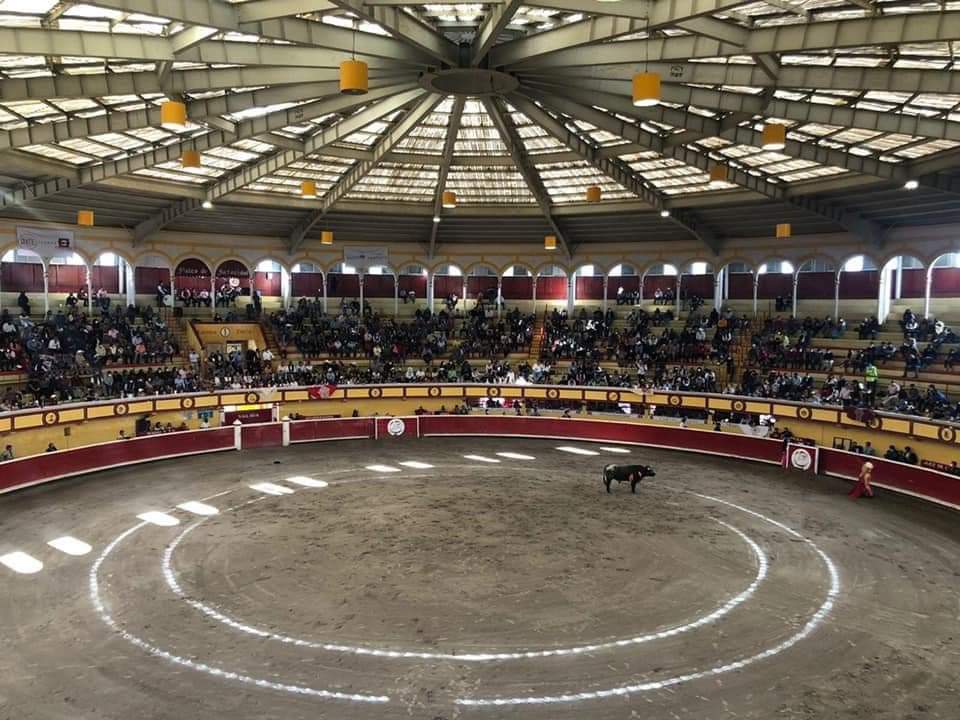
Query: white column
pixel 606 282
pixel 726 283
pixel 499 294
pixel 89 290
pixel 718 279
pixel 571 293
pixel 396 295
pixel 173 291
pixel 836 295
pixel 642 278
pixel 796 283
pixel 323 277
pixel 927 286
pixel 534 294
pixel 463 296
pixel 213 294
pixel 285 287
pixel 756 288
pixel 1 283
pixel 46 290
pixel 430 278
pixel 360 283
pixel 131 283
pixel 883 293
pixel 898 288
pixel 677 298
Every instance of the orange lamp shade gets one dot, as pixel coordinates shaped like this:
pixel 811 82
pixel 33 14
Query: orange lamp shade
pixel 449 199
pixel 173 115
pixel 353 77
pixel 85 218
pixel 646 89
pixel 550 242
pixel 718 174
pixel 191 159
pixel 308 189
pixel 774 136
pixel 594 193
pixel 784 231
pixel 326 237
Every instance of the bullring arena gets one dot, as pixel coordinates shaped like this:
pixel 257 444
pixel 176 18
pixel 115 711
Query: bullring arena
pixel 366 359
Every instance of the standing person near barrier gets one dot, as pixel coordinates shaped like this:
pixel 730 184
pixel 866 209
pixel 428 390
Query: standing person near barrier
pixel 863 487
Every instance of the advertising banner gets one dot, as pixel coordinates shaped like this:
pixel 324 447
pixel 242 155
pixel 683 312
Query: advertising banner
pixel 46 242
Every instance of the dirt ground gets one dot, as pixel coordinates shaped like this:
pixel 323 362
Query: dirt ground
pixel 693 606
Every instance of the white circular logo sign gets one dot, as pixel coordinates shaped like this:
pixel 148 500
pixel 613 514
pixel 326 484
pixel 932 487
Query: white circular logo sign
pixel 801 459
pixel 396 427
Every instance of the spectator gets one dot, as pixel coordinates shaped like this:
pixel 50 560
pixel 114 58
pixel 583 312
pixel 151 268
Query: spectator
pixel 8 454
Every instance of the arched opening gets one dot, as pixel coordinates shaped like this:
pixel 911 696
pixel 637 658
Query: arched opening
pixel 660 283
pixel 588 284
pixel 814 287
pixel 696 285
pixel 623 284
pixel 191 279
pixel 551 286
pixel 151 276
pixel 517 284
pixel 306 280
pixel 268 279
pixel 232 282
pixel 21 280
pixel 857 288
pixel 482 284
pixel 944 289
pixel 775 285
pixel 378 284
pixel 902 279
pixel 412 284
pixel 343 281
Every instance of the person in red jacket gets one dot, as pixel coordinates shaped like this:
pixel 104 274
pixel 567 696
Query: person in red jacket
pixel 863 488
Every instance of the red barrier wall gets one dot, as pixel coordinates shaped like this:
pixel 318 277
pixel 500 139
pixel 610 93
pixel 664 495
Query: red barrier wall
pixel 517 288
pixel 589 288
pixel 146 279
pixel 378 286
pixel 307 284
pixel 417 283
pixel 550 287
pixel 53 466
pixel 629 283
pixel 340 285
pixel 350 429
pixel 910 479
pixel 261 436
pixel 699 285
pixel 444 285
pixel 485 284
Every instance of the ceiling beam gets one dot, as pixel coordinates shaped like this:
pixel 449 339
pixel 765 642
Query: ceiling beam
pixel 616 170
pixel 406 28
pixel 511 139
pixel 270 164
pixel 350 178
pixel 495 22
pixel 272 9
pixel 453 129
pixel 579 44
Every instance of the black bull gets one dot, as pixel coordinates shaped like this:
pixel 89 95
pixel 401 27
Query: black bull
pixel 632 474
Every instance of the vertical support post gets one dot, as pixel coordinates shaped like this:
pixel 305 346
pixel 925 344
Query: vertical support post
pixel 718 278
pixel 796 284
pixel 606 283
pixel 285 430
pixel 927 287
pixel 131 279
pixel 836 295
pixel 46 289
pixel 464 295
pixel 430 287
pixel 534 294
pixel 642 278
pixel 756 290
pixel 679 287
pixel 396 295
pixel 89 290
pixel 285 287
pixel 499 294
pixel 898 288
pixel 237 435
pixel 324 276
pixel 571 293
pixel 213 294
pixel 173 291
pixel 360 283
pixel 886 275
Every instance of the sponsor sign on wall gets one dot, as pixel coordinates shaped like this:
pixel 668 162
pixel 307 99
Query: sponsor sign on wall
pixel 46 242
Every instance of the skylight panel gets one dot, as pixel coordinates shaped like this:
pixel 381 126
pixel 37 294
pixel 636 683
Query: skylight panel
pixel 55 152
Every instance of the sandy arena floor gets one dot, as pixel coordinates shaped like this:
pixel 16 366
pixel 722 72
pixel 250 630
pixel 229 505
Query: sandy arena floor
pixel 475 585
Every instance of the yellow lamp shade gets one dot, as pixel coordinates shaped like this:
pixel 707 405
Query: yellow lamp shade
pixel 774 136
pixel 449 199
pixel 173 115
pixel 646 89
pixel 718 174
pixel 85 218
pixel 191 159
pixel 326 237
pixel 308 189
pixel 550 242
pixel 594 193
pixel 784 231
pixel 353 77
